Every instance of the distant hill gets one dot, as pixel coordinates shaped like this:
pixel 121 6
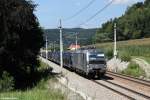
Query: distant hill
pixel 84 37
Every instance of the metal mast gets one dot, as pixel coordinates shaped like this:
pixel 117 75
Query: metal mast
pixel 46 48
pixel 76 40
pixel 61 46
pixel 115 44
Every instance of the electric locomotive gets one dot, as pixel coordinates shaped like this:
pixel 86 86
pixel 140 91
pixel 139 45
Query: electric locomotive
pixel 90 62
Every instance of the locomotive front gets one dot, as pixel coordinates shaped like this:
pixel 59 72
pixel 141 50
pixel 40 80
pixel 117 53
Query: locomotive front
pixel 96 63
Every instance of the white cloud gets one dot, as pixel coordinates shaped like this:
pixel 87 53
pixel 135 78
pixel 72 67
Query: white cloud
pixel 124 1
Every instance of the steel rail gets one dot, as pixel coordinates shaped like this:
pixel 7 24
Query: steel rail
pixel 136 80
pixel 135 92
pixel 120 93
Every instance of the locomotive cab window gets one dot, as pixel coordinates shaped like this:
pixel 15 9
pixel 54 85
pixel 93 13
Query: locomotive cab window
pixel 96 59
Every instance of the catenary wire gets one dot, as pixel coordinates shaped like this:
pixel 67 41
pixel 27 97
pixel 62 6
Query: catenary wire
pixel 98 12
pixel 80 11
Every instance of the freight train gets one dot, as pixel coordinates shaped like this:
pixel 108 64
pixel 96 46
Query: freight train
pixel 89 62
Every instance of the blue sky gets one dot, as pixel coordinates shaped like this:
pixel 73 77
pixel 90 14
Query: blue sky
pixel 50 11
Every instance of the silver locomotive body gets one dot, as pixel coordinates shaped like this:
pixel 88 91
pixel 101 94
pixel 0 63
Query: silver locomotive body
pixel 89 62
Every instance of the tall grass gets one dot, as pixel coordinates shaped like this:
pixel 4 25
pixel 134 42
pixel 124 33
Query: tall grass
pixel 127 49
pixel 137 50
pixel 34 94
pixel 40 92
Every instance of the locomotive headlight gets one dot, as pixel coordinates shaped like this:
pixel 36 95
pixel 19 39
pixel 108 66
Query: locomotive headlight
pixel 100 55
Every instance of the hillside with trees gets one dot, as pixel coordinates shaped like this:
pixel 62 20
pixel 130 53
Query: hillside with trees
pixel 134 24
pixel 85 36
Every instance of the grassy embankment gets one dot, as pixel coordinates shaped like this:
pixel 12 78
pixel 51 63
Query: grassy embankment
pixel 137 47
pixel 134 70
pixel 42 91
pixel 127 50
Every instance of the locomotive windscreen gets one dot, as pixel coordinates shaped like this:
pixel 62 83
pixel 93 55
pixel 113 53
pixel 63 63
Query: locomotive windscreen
pixel 96 59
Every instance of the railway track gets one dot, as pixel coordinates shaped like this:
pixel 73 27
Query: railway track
pixel 109 85
pixel 120 92
pixel 126 77
pixel 114 90
pixel 127 92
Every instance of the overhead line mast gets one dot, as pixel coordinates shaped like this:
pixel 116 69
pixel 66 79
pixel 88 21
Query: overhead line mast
pixel 76 40
pixel 115 44
pixel 61 46
pixel 46 48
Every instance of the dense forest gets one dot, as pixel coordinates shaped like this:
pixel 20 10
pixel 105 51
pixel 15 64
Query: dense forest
pixel 134 24
pixel 84 36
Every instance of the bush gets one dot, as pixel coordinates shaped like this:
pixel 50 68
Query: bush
pixel 125 56
pixel 6 82
pixel 134 70
pixel 109 53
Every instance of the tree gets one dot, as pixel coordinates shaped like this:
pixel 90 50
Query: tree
pixel 147 2
pixel 20 38
pixel 134 24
